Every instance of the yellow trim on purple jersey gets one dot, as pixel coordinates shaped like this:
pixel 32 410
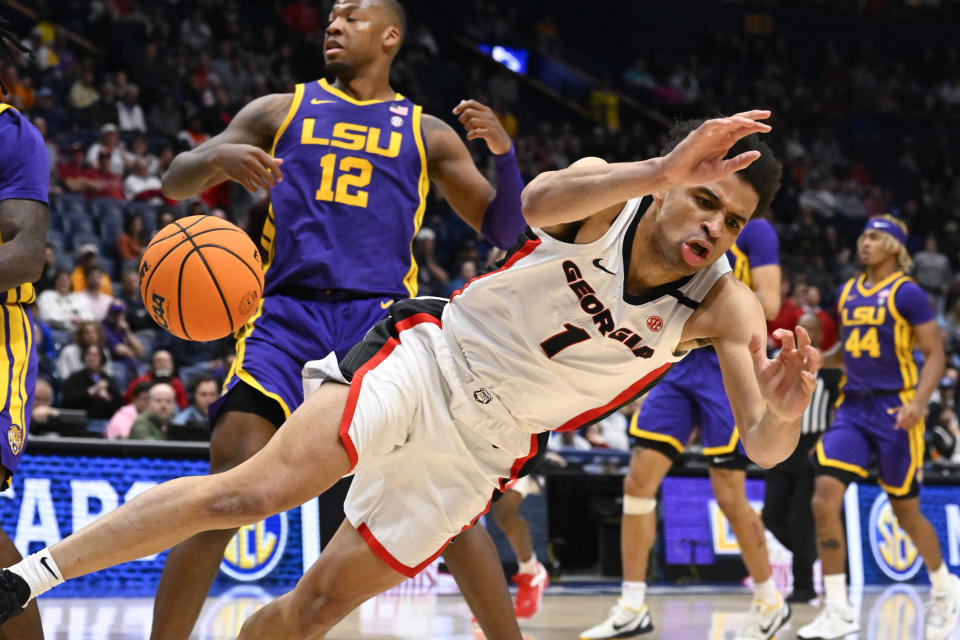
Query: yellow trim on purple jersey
pixel 329 88
pixel 423 187
pixel 636 431
pixel 880 285
pixel 904 339
pixel 915 436
pixel 838 464
pixel 741 266
pixel 727 448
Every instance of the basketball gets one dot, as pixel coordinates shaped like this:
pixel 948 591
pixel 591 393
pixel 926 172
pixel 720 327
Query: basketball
pixel 201 278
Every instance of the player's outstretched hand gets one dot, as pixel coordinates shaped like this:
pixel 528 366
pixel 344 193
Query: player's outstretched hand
pixel 787 381
pixel 480 122
pixel 251 166
pixel 699 158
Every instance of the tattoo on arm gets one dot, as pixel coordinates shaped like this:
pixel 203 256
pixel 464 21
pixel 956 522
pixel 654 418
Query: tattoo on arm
pixel 830 543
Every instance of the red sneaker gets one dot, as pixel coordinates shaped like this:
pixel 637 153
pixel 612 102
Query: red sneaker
pixel 530 588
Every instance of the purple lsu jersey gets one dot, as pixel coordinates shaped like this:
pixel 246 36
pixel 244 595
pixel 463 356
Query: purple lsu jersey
pixel 24 174
pixel 354 186
pixel 692 392
pixel 877 332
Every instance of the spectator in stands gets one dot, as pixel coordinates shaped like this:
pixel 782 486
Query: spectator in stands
pixel 52 152
pixel 468 271
pixel 165 116
pixel 104 110
pixel 91 389
pixel 137 316
pixel 204 389
pixel 109 184
pixel 83 95
pixel 75 175
pixel 195 33
pixel 129 112
pixel 828 328
pixel 43 409
pixel 56 117
pixel 61 308
pixel 98 301
pixel 161 406
pixel 431 276
pixel 931 269
pixel 130 242
pixel 121 422
pixel 139 150
pixel 141 185
pixel 110 144
pixel 161 370
pixel 121 341
pixel 70 358
pixel 20 91
pixel 87 256
pixel 193 135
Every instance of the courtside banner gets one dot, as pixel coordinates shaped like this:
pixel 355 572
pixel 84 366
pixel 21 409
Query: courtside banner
pixel 53 495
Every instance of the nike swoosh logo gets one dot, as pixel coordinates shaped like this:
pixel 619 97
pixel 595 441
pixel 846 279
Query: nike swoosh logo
pixel 385 304
pixel 315 101
pixel 597 264
pixel 620 627
pixel 43 561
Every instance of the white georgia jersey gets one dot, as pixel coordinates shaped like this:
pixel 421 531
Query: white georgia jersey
pixel 556 337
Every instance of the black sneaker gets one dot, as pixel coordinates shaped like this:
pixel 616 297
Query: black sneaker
pixel 14 594
pixel 802 595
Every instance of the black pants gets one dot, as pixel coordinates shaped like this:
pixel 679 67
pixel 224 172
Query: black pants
pixel 787 513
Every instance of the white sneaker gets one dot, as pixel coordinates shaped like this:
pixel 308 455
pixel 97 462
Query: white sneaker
pixel 765 619
pixel 942 611
pixel 834 621
pixel 623 622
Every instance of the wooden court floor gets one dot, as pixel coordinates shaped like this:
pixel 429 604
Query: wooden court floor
pixel 895 613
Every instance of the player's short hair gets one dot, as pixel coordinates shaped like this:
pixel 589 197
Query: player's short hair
pixel 394 7
pixel 763 174
pixel 890 243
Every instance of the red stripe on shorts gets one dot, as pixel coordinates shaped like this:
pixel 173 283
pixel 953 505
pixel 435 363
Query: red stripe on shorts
pixel 522 252
pixel 625 396
pixel 355 384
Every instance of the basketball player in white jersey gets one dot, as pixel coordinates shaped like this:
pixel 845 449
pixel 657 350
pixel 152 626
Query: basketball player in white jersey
pixel 623 272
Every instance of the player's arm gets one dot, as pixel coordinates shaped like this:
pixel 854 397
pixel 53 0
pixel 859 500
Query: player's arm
pixel 23 228
pixel 765 281
pixel 767 397
pixel 930 343
pixel 239 153
pixel 586 189
pixel 493 211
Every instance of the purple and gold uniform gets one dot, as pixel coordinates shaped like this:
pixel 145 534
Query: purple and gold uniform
pixel 881 376
pixel 338 235
pixel 692 393
pixel 24 172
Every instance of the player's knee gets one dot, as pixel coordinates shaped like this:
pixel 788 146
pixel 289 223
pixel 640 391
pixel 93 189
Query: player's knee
pixel 635 506
pixel 731 501
pixel 316 613
pixel 824 506
pixel 638 485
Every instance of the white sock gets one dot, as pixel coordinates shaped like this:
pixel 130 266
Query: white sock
pixel 39 571
pixel 765 591
pixel 835 589
pixel 939 579
pixel 529 566
pixel 633 594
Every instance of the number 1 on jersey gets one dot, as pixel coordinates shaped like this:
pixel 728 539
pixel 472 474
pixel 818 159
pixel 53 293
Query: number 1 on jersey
pixel 346 179
pixel 571 336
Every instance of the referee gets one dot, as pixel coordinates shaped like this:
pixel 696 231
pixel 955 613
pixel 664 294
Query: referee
pixel 789 486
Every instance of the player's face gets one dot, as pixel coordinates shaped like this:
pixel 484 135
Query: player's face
pixel 354 35
pixel 695 226
pixel 871 248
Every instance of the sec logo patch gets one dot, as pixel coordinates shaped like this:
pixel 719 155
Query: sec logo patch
pixel 655 323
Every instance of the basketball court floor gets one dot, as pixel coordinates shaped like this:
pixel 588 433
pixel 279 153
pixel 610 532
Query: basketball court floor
pixel 680 613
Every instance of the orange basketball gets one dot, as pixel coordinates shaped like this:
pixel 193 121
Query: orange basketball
pixel 201 278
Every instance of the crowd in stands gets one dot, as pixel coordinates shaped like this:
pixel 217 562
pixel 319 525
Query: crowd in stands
pixel 118 87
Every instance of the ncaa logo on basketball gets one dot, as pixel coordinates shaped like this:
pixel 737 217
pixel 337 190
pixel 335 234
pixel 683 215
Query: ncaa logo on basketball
pixel 256 549
pixel 893 550
pixel 655 323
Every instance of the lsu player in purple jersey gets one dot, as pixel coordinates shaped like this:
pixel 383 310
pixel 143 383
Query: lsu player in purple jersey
pixel 692 394
pixel 357 162
pixel 24 169
pixel 884 317
pixel 442 402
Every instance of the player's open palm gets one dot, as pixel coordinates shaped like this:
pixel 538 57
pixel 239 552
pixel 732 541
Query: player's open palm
pixel 251 166
pixel 700 158
pixel 787 381
pixel 480 122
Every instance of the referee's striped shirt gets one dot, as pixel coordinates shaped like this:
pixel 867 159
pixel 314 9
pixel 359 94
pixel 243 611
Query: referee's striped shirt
pixel 816 418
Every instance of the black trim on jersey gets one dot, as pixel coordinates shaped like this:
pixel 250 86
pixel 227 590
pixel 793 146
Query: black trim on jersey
pixel 383 331
pixel 530 465
pixel 640 393
pixel 684 300
pixel 522 240
pixel 656 292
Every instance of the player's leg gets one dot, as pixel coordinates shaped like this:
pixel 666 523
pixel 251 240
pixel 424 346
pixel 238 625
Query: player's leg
pixel 345 575
pixel 638 533
pixel 777 500
pixel 27 625
pixel 304 459
pixel 531 578
pixel 803 533
pixel 473 560
pixel 192 565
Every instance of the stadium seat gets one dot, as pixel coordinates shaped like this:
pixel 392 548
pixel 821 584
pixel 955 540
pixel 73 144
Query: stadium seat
pixel 107 211
pixel 55 238
pixel 86 237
